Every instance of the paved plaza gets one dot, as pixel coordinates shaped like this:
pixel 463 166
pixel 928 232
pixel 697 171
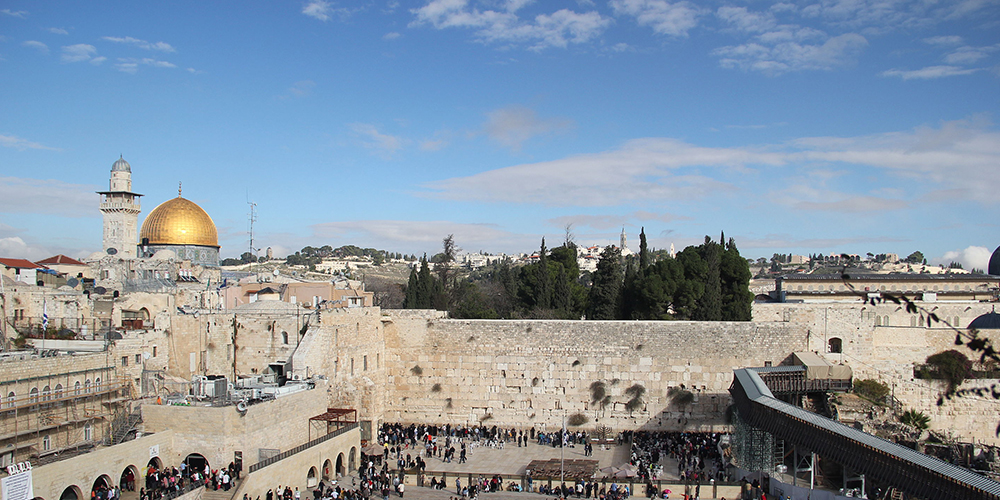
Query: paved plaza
pixel 511 460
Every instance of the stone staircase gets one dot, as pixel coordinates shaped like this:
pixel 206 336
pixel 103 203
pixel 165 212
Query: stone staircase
pixel 221 494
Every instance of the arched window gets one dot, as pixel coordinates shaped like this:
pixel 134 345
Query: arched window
pixel 885 320
pixel 836 345
pixel 878 320
pixel 33 395
pixel 76 387
pixel 10 399
pixel 88 432
pixel 46 443
pixel 86 386
pixel 46 394
pixel 284 337
pixel 97 384
pixel 59 391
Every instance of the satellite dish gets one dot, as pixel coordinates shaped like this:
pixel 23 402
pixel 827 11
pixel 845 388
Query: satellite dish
pixel 100 290
pixel 72 282
pixel 276 272
pixel 112 251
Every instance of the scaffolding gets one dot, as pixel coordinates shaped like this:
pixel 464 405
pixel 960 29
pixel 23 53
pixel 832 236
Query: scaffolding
pixel 755 449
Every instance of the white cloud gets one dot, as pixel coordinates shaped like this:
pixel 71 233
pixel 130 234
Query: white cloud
pixel 57 31
pixel 323 10
pixel 384 143
pixel 785 56
pixel 558 29
pixel 302 88
pixel 39 46
pixel 392 35
pixel 641 170
pixel 930 72
pixel 944 40
pixel 15 247
pixel 142 44
pixel 14 13
pixel 10 141
pixel 418 236
pixel 665 18
pixel 513 126
pixel 433 145
pixel 78 53
pixel 36 196
pixel 972 257
pixel 605 222
pixel 744 20
pixel 969 55
pixel 131 65
pixel 959 156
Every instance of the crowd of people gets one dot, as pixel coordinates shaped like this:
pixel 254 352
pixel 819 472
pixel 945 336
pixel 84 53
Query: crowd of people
pixel 697 454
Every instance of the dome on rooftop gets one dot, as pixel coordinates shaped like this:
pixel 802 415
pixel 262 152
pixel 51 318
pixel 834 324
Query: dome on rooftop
pixel 120 165
pixel 994 267
pixel 988 321
pixel 179 222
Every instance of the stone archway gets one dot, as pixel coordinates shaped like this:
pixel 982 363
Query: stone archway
pixel 101 484
pixel 311 479
pixel 196 461
pixel 327 469
pixel 352 460
pixel 155 462
pixel 72 493
pixel 128 478
pixel 341 471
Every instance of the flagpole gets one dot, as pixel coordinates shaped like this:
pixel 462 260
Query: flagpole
pixel 562 458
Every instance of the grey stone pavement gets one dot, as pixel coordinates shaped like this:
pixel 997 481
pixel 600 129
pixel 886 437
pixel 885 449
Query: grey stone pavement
pixel 512 460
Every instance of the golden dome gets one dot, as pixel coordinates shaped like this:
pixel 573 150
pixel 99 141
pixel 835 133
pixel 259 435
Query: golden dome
pixel 179 222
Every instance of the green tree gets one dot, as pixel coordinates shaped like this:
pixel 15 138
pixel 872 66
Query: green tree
pixel 643 251
pixel 710 305
pixel 734 273
pixel 914 258
pixel 411 301
pixel 543 284
pixel 605 293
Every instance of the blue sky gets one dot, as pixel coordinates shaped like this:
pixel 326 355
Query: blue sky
pixel 796 127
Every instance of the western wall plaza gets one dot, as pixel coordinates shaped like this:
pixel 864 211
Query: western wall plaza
pixel 148 355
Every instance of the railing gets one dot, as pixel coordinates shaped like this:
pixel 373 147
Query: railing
pixel 285 454
pixel 188 488
pixel 21 402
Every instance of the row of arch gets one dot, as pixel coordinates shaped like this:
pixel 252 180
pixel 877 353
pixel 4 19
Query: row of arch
pixel 130 479
pixel 48 394
pixel 331 470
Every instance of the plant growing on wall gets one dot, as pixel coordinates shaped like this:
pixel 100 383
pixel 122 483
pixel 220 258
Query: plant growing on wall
pixel 872 390
pixel 915 419
pixel 576 420
pixel 436 388
pixel 635 394
pixel 951 366
pixel 417 370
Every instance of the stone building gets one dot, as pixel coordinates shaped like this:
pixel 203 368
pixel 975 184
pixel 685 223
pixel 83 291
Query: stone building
pixel 120 207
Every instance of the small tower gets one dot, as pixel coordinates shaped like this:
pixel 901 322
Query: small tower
pixel 120 207
pixel 624 240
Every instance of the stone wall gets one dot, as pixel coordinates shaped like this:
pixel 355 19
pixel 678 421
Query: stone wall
pixel 83 470
pixel 217 432
pixel 533 373
pixel 294 471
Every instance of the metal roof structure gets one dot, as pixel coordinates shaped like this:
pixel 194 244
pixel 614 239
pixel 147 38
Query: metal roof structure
pixel 919 474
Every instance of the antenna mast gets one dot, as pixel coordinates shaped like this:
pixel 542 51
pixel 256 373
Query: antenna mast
pixel 253 218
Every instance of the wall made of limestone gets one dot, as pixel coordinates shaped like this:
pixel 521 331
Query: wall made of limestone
pixel 880 343
pixel 294 471
pixel 533 372
pixel 83 470
pixel 217 432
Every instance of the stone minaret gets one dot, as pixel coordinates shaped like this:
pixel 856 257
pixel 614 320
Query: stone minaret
pixel 120 207
pixel 624 240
